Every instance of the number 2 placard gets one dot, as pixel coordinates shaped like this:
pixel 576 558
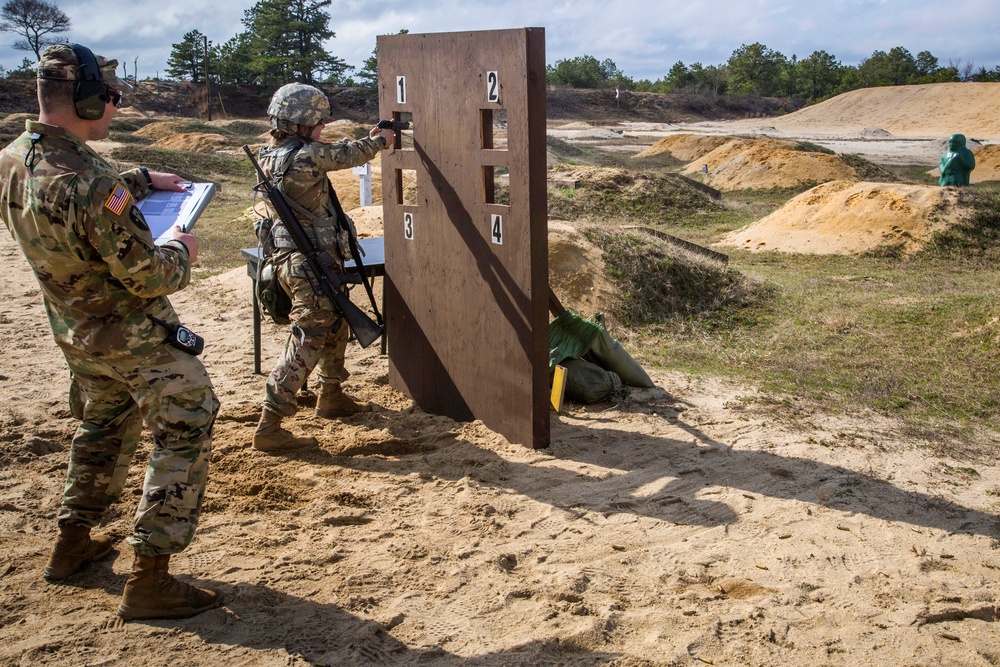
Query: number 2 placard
pixel 492 87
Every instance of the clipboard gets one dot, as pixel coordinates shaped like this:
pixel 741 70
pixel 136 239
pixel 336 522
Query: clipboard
pixel 164 209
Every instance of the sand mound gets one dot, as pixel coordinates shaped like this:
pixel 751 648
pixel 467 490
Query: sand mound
pixel 14 123
pixel 367 220
pixel 160 130
pixel 196 142
pixel 743 164
pixel 987 163
pixel 576 125
pixel 348 186
pixel 875 133
pixel 256 125
pixel 129 112
pixel 339 129
pixel 685 147
pixel 844 218
pixel 937 109
pixel 576 271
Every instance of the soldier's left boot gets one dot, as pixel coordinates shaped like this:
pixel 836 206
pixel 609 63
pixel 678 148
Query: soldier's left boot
pixel 333 403
pixel 152 592
pixel 270 437
pixel 74 548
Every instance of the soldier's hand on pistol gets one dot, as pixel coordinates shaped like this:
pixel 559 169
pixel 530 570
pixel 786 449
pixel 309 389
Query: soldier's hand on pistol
pixel 388 135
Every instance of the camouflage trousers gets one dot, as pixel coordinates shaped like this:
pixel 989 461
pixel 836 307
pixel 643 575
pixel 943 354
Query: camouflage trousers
pixel 317 340
pixel 112 396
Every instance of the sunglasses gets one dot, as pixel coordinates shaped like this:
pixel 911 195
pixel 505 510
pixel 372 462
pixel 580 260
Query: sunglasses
pixel 115 98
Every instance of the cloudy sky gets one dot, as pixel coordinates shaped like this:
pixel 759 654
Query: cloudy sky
pixel 644 38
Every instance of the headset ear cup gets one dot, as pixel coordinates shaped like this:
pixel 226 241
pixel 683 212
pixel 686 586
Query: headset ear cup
pixel 90 99
pixel 90 93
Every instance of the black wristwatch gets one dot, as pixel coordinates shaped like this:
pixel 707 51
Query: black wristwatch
pixel 382 139
pixel 149 180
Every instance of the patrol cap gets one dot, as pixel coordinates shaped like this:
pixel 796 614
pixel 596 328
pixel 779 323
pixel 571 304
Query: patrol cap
pixel 300 103
pixel 59 62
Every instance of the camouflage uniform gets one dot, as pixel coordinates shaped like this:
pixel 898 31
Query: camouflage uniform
pixel 318 338
pixel 101 275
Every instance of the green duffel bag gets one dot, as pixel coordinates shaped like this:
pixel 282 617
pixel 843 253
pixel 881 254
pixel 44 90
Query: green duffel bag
pixel 570 336
pixel 610 354
pixel 589 383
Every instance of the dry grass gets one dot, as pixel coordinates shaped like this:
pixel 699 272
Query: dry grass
pixel 916 338
pixel 661 283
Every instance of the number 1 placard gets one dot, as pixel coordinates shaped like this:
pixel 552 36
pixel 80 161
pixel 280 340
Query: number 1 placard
pixel 400 90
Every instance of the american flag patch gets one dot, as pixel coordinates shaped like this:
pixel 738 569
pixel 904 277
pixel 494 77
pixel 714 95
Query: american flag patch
pixel 118 200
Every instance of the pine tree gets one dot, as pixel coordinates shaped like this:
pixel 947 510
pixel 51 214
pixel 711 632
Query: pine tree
pixel 288 37
pixel 187 58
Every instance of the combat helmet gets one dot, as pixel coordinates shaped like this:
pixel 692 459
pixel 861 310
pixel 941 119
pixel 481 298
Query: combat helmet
pixel 298 104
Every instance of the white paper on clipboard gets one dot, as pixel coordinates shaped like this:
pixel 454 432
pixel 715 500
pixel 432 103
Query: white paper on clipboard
pixel 164 209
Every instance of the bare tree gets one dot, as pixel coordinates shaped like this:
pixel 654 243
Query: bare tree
pixel 963 70
pixel 34 19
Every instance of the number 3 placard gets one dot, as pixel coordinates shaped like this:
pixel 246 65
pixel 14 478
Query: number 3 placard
pixel 408 226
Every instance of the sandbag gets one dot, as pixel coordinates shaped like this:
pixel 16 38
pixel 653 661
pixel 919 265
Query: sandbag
pixel 610 354
pixel 589 383
pixel 570 336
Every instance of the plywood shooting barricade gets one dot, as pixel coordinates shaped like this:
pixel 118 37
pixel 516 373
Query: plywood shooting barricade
pixel 466 291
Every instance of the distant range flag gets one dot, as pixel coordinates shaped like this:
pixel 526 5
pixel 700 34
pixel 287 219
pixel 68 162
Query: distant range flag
pixel 616 92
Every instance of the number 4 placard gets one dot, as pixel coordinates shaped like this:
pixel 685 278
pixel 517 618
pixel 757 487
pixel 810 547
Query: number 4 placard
pixel 496 229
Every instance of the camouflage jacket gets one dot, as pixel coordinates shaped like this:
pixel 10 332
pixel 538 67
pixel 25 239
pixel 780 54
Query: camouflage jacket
pixel 305 181
pixel 90 249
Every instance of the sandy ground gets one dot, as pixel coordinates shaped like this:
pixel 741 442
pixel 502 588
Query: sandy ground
pixel 690 524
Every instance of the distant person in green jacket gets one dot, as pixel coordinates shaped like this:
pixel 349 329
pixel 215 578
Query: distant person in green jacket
pixel 956 163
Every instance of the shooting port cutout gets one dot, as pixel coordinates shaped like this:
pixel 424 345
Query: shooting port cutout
pixel 467 256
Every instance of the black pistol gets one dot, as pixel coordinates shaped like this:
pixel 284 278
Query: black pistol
pixel 394 125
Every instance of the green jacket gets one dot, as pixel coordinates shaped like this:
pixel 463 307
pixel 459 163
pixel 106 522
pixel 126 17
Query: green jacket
pixel 75 219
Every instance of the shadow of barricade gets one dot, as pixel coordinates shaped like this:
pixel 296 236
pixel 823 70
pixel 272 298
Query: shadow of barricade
pixel 261 618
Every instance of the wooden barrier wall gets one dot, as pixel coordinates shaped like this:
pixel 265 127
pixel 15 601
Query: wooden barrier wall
pixel 466 256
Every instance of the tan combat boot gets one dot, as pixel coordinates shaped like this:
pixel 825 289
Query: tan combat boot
pixel 151 592
pixel 333 403
pixel 74 548
pixel 270 437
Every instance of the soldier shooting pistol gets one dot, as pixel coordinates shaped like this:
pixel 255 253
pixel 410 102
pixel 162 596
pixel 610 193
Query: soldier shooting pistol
pixel 324 271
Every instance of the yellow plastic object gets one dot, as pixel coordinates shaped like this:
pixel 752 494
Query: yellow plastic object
pixel 558 388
